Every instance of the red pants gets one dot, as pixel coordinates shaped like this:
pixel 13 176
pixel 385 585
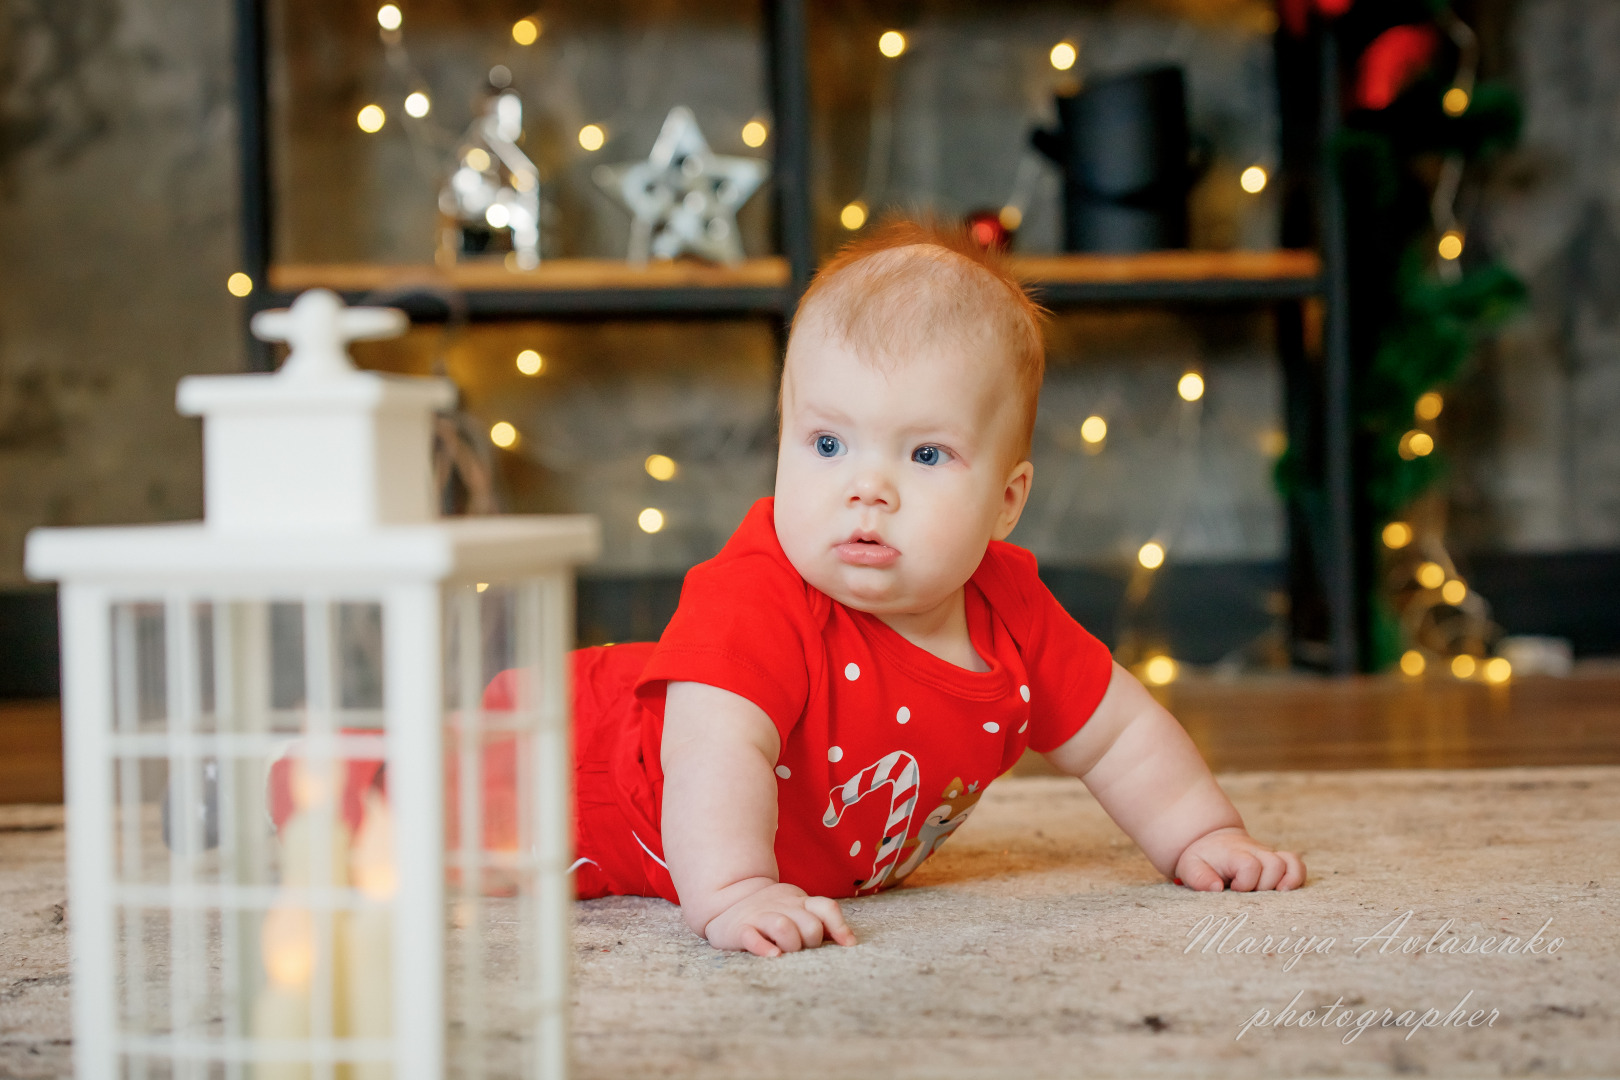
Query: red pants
pixel 607 725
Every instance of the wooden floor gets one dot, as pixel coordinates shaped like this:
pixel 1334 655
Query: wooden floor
pixel 1287 722
pixel 30 752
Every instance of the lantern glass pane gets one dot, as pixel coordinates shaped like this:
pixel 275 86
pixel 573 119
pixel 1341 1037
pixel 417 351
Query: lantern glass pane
pixel 502 716
pixel 252 846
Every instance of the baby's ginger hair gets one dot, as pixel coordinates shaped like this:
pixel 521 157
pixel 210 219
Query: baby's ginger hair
pixel 908 285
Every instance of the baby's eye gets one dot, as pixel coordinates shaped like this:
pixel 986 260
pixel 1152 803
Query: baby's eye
pixel 828 446
pixel 929 455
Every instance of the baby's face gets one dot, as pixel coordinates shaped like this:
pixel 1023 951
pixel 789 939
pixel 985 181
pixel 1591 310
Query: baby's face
pixel 891 482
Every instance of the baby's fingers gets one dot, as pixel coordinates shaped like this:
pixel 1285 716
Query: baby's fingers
pixel 1198 875
pixel 1272 869
pixel 781 929
pixel 1246 869
pixel 757 943
pixel 1295 875
pixel 831 916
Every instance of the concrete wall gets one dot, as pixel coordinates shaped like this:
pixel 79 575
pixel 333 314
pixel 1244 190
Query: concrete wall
pixel 117 228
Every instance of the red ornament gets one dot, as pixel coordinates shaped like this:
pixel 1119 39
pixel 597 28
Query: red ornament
pixel 1390 64
pixel 1296 14
pixel 988 231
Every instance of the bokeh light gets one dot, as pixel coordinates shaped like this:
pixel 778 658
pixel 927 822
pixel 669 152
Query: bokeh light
pixel 503 435
pixel 526 31
pixel 1397 534
pixel 418 104
pixel 1463 666
pixel 1094 429
pixel 891 43
pixel 660 466
pixel 1254 180
pixel 754 133
pixel 371 119
pixel 239 284
pixel 1412 662
pixel 1151 555
pixel 1063 55
pixel 530 362
pixel 1191 386
pixel 853 216
pixel 1160 670
pixel 650 520
pixel 592 137
pixel 389 17
pixel 1431 575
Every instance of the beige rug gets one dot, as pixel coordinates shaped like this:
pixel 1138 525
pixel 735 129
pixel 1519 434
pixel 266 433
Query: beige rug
pixel 1039 943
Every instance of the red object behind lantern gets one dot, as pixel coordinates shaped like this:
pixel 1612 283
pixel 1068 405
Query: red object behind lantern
pixel 987 230
pixel 1390 64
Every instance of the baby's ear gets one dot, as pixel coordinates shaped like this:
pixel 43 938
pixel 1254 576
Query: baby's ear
pixel 1013 498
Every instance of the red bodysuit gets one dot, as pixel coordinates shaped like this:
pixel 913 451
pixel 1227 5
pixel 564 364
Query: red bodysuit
pixel 885 747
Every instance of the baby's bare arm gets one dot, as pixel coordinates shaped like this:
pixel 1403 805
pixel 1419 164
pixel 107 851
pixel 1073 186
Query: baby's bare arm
pixel 1149 777
pixel 719 827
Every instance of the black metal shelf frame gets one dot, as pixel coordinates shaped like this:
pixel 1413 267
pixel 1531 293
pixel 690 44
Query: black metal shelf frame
pixel 789 90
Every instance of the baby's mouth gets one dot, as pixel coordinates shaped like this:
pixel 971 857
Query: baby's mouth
pixel 866 549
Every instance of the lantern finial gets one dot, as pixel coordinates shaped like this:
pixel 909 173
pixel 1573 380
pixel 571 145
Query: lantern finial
pixel 319 328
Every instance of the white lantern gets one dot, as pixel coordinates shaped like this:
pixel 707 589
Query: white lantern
pixel 318 763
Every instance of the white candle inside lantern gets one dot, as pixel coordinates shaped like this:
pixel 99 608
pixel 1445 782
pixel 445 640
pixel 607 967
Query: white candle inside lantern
pixel 365 974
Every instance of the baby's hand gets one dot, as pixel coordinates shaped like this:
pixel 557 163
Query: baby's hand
pixel 778 918
pixel 1232 855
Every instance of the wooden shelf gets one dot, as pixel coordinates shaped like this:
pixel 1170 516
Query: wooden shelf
pixel 563 288
pixel 1172 276
pixel 594 288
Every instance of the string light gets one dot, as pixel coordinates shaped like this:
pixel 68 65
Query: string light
pixel 498 216
pixel 1454 592
pixel 530 362
pixel 482 586
pixel 1397 534
pixel 1094 429
pixel 1498 670
pixel 389 17
pixel 1451 245
pixel 660 467
pixel 1191 386
pixel 477 159
pixel 1063 55
pixel 503 435
pixel 1160 670
pixel 1429 405
pixel 891 43
pixel 239 284
pixel 1151 555
pixel 418 105
pixel 1254 179
pixel 650 520
pixel 1431 575
pixel 1416 444
pixel 1412 662
pixel 1463 666
pixel 754 133
pixel 853 216
pixel 1011 217
pixel 526 31
pixel 592 137
pixel 371 119
pixel 1455 101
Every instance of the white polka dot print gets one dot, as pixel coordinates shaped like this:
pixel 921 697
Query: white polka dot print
pixel 855 848
pixel 1023 692
pixel 852 671
pixel 783 771
pixel 835 753
pixel 992 727
pixel 1023 727
pixel 904 715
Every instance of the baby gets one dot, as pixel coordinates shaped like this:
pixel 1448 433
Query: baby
pixel 841 683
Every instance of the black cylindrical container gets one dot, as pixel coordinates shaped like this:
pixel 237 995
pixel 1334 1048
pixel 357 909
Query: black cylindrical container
pixel 1123 146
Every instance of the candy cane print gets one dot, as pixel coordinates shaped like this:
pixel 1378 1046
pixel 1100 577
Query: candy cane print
pixel 899 770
